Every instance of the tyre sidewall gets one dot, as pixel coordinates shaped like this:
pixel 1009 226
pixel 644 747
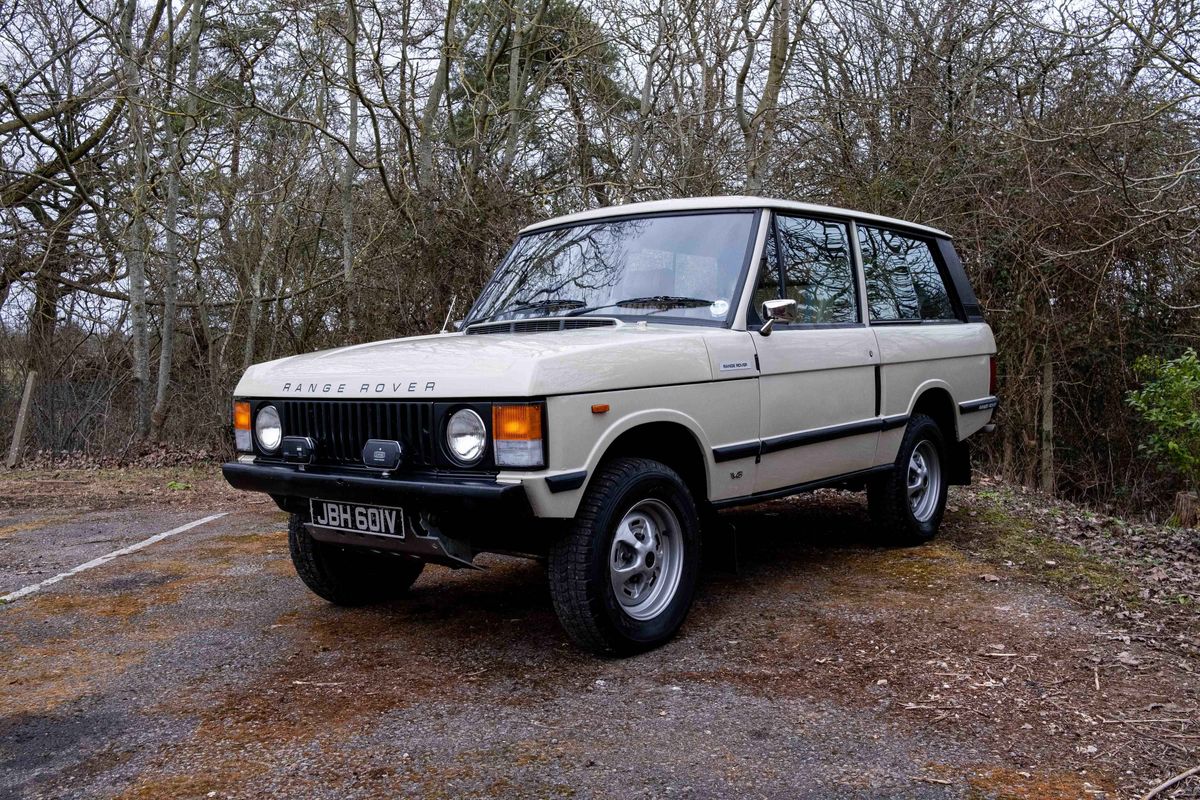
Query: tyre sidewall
pixel 662 485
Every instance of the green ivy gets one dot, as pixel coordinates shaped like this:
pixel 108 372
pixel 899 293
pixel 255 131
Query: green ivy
pixel 1169 402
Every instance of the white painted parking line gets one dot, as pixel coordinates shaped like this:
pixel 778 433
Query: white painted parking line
pixel 104 559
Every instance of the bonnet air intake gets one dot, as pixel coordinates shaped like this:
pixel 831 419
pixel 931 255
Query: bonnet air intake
pixel 539 326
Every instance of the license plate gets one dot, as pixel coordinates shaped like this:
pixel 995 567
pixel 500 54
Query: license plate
pixel 369 520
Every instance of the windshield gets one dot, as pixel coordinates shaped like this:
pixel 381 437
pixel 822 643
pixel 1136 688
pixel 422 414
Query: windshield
pixel 673 268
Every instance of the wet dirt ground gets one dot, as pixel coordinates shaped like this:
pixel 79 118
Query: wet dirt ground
pixel 985 665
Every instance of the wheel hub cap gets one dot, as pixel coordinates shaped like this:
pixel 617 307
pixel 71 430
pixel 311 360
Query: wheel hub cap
pixel 646 559
pixel 924 481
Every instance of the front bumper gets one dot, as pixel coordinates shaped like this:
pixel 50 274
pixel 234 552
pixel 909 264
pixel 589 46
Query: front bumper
pixel 289 486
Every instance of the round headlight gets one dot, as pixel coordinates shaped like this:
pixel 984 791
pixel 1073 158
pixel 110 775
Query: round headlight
pixel 267 429
pixel 466 436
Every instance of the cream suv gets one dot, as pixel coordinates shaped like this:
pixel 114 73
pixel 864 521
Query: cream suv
pixel 626 373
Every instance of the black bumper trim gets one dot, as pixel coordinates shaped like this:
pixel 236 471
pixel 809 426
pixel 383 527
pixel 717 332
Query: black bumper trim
pixel 566 482
pixel 818 435
pixel 814 436
pixel 982 404
pixel 449 493
pixel 732 452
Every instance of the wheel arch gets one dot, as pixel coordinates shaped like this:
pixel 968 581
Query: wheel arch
pixel 934 400
pixel 675 442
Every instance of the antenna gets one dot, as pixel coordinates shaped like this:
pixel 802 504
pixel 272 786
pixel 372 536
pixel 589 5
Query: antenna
pixel 446 321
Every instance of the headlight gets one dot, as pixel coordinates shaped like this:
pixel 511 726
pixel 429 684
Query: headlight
pixel 466 436
pixel 267 429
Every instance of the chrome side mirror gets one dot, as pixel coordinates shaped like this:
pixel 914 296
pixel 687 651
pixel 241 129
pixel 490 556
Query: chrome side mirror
pixel 782 310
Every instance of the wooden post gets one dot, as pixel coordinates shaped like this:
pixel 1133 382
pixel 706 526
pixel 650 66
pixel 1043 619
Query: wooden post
pixel 1187 509
pixel 1048 425
pixel 18 440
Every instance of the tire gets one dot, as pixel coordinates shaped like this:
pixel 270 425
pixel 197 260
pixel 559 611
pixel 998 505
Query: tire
pixel 345 576
pixel 638 515
pixel 905 518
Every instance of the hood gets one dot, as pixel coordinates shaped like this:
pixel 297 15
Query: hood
pixel 493 365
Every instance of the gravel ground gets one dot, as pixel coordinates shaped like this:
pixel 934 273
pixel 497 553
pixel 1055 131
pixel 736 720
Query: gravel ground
pixel 1033 650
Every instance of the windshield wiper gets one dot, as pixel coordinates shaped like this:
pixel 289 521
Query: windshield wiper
pixel 540 305
pixel 660 302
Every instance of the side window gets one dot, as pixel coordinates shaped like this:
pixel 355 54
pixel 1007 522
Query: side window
pixel 768 287
pixel 817 271
pixel 903 279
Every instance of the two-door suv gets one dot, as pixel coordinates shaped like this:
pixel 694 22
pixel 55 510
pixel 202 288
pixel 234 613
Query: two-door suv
pixel 625 373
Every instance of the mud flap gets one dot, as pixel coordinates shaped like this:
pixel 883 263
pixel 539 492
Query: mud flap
pixel 720 539
pixel 958 471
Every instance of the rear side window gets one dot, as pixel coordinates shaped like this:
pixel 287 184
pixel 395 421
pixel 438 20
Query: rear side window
pixel 809 262
pixel 903 279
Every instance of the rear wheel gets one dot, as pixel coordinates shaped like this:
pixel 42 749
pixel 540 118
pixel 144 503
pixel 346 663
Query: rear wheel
pixel 623 577
pixel 907 504
pixel 345 576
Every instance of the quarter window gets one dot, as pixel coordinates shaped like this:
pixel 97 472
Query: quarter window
pixel 903 279
pixel 809 262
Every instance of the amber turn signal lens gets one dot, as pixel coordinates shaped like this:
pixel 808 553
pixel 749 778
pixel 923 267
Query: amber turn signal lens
pixel 241 416
pixel 600 408
pixel 517 423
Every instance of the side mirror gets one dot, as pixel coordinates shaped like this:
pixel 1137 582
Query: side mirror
pixel 782 310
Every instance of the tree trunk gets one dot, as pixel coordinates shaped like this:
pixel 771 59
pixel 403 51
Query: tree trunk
pixel 177 150
pixel 265 252
pixel 441 79
pixel 137 236
pixel 349 169
pixel 516 90
pixel 42 321
pixel 759 130
pixel 636 167
pixel 583 144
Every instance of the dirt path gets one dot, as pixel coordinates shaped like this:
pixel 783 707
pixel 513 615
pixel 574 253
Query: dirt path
pixel 1012 658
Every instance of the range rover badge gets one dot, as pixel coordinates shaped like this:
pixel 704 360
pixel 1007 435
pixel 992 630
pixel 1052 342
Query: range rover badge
pixel 383 453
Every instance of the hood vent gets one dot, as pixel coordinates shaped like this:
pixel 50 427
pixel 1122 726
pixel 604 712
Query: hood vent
pixel 539 325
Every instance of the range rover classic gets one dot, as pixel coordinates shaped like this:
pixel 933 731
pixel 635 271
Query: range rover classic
pixel 625 374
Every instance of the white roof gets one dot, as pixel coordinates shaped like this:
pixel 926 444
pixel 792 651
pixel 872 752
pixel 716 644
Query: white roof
pixel 705 203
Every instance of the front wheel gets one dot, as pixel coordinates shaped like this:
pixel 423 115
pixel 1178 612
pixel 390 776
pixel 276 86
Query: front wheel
pixel 907 504
pixel 623 577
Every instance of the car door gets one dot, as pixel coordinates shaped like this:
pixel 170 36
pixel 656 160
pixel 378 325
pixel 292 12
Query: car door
pixel 817 385
pixel 919 326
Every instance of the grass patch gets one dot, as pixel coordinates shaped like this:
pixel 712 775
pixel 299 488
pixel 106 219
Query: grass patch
pixel 1025 542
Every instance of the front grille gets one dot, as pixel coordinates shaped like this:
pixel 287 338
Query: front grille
pixel 539 325
pixel 340 428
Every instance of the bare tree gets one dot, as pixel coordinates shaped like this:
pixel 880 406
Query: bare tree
pixel 245 184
